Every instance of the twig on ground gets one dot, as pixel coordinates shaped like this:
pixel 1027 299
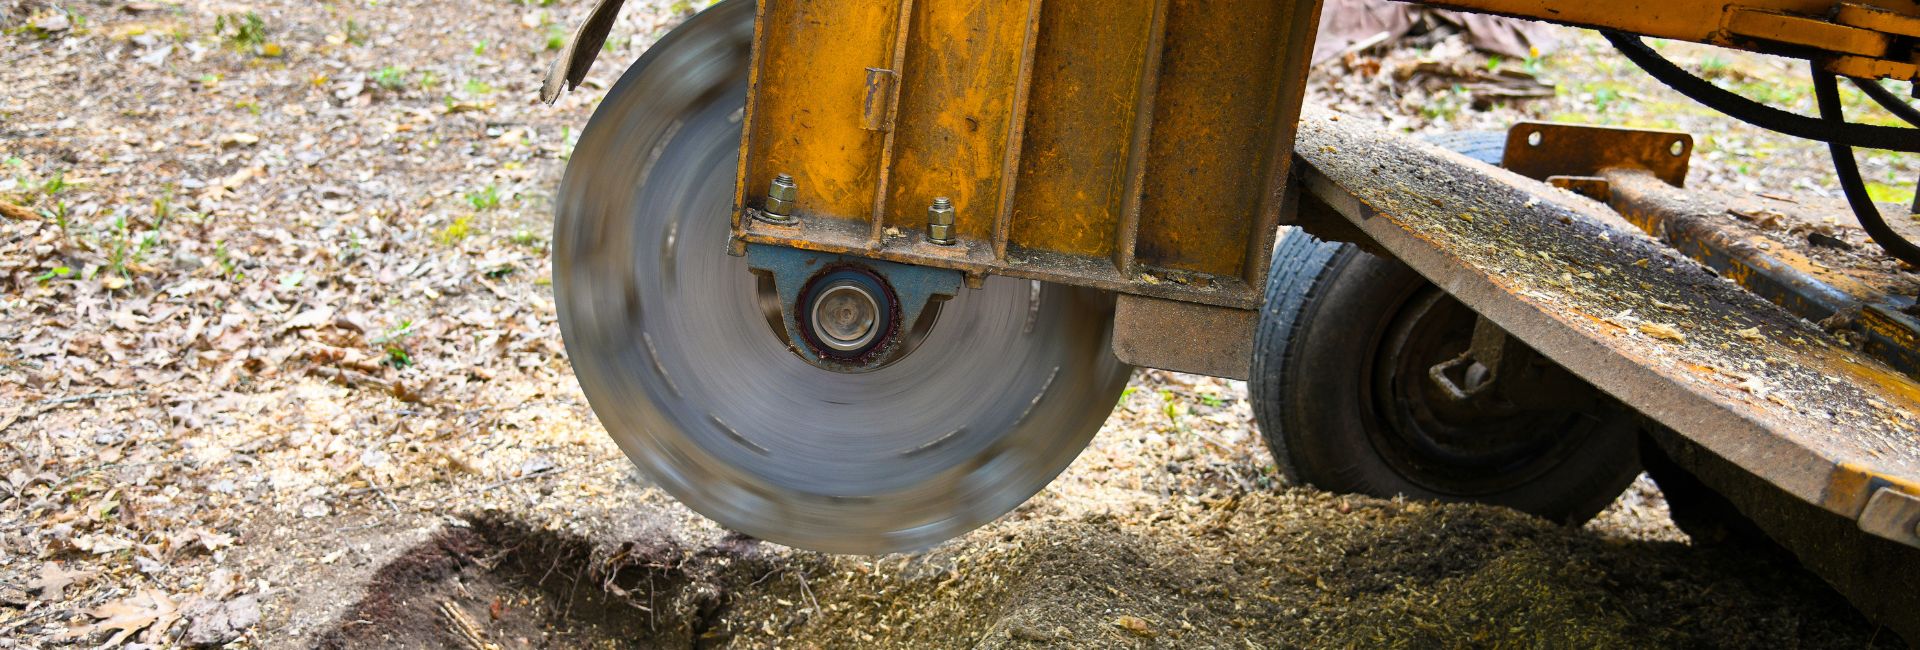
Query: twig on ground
pixel 375 484
pixel 804 590
pixel 369 525
pixel 8 630
pixel 91 396
pixel 17 213
pixel 523 477
pixel 351 378
pixel 463 627
pixel 101 468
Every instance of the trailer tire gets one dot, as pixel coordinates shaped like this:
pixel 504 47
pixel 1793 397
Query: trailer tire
pixel 1707 517
pixel 1333 391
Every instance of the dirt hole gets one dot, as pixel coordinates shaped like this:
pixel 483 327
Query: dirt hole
pixel 496 582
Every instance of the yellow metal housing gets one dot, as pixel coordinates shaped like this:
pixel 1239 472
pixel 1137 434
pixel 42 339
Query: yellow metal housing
pixel 1139 147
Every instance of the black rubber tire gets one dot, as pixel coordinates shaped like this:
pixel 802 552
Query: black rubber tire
pixel 1327 311
pixel 1706 516
pixel 1485 146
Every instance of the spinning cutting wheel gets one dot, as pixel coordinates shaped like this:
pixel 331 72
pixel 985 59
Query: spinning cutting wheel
pixel 989 397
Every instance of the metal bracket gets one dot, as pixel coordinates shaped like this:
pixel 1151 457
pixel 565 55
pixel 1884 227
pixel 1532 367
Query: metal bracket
pixel 876 99
pixel 1541 150
pixel 1894 515
pixel 1494 351
pixel 570 68
pixel 915 288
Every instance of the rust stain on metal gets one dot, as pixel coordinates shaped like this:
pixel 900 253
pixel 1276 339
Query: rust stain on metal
pixel 1542 150
pixel 807 99
pixel 1214 117
pixel 1783 27
pixel 957 91
pixel 878 98
pixel 1099 137
pixel 1096 63
pixel 1698 223
pixel 976 259
pixel 1784 400
pixel 1017 134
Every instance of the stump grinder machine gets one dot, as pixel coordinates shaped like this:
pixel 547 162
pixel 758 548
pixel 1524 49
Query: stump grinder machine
pixel 861 275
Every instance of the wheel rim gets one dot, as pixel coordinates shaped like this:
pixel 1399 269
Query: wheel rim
pixel 1447 447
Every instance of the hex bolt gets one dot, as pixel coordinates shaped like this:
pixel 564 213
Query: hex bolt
pixel 780 196
pixel 940 222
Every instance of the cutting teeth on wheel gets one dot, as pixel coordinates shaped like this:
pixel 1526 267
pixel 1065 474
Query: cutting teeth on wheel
pixel 735 434
pixel 681 350
pixel 936 442
pixel 653 354
pixel 1037 396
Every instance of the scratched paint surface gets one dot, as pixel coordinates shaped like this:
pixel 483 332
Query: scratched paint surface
pixel 1798 402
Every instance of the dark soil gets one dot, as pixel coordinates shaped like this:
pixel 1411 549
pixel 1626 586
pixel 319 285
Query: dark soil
pixel 1287 568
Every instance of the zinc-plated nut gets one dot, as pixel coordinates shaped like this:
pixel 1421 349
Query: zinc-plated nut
pixel 940 222
pixel 780 195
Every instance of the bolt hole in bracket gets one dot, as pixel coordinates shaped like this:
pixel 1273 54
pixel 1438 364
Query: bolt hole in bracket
pixel 910 297
pixel 1570 156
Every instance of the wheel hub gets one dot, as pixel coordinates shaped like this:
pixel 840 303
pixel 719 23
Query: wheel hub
pixel 1453 446
pixel 844 315
pixel 848 312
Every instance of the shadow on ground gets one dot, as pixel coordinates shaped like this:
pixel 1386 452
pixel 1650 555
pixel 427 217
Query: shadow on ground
pixel 1352 573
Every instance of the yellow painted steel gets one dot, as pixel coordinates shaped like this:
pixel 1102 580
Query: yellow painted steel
pixel 1844 35
pixel 1121 144
pixel 953 135
pixel 1221 84
pixel 807 102
pixel 1094 62
pixel 1138 146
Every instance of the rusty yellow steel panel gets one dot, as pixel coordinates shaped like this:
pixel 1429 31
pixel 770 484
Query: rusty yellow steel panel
pixel 809 101
pixel 1822 29
pixel 1089 67
pixel 1086 136
pixel 957 111
pixel 1214 114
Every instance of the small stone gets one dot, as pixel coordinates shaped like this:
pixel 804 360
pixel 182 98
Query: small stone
pixel 212 623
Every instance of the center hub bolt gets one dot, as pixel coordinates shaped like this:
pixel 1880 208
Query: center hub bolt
pixel 845 316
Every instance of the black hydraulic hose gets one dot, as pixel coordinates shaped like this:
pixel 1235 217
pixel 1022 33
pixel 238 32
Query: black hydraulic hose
pixel 1756 113
pixel 1826 92
pixel 1887 100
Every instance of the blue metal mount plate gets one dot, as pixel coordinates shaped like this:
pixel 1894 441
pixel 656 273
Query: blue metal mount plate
pixel 914 287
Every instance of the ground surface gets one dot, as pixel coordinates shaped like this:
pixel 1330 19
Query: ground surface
pixel 281 369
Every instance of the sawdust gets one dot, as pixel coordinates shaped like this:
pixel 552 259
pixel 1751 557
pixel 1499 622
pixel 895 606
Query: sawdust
pixel 322 374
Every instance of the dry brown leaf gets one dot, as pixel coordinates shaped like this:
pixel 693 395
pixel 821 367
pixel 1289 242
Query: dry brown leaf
pixel 101 544
pixel 151 609
pixel 308 318
pixel 55 578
